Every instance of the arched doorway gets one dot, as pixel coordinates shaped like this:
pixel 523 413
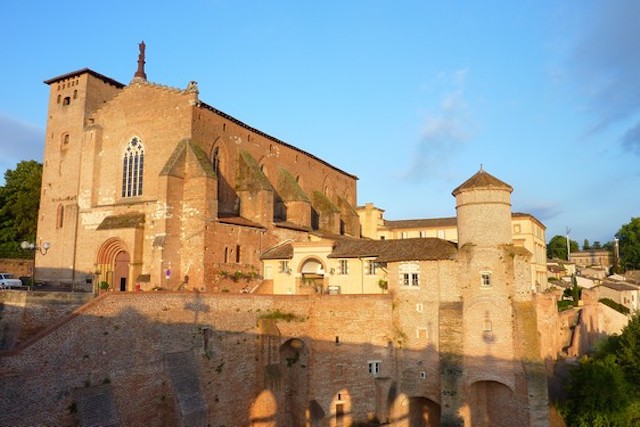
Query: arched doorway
pixel 312 276
pixel 294 363
pixel 121 271
pixel 423 412
pixel 494 404
pixel 112 264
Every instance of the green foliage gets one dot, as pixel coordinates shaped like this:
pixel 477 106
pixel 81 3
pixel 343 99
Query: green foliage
pixel 281 315
pixel 629 236
pixel 585 245
pixel 104 285
pixel 564 305
pixel 605 390
pixel 557 247
pixel 629 352
pixel 19 204
pixel 588 405
pixel 616 306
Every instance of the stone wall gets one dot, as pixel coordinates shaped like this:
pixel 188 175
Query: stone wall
pixel 124 342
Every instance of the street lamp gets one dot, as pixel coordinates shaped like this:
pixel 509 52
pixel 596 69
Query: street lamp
pixel 43 249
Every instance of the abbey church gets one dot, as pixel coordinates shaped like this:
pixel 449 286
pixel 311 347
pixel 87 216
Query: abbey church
pixel 355 320
pixel 147 185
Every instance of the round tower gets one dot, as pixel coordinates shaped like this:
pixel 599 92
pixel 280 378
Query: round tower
pixel 483 205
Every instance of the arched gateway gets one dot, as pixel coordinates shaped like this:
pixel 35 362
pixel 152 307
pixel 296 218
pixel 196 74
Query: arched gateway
pixel 112 264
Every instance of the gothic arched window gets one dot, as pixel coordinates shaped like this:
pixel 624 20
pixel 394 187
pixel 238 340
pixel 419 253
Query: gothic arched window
pixel 133 168
pixel 216 160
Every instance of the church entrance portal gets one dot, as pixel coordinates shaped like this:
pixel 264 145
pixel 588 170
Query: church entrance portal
pixel 112 265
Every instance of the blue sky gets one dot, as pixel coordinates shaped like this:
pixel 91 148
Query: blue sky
pixel 410 96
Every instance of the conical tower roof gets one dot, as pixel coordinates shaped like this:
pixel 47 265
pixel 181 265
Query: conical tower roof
pixel 482 180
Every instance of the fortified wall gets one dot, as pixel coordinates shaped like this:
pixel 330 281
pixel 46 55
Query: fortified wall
pixel 196 359
pixel 163 358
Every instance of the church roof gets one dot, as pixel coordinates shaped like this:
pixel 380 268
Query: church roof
pixel 482 180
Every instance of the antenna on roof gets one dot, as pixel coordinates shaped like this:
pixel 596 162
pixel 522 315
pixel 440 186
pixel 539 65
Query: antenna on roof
pixel 481 170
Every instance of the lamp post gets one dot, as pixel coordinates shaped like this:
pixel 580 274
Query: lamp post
pixel 43 249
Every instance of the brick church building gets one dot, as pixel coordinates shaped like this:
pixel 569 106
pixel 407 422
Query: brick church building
pixel 147 186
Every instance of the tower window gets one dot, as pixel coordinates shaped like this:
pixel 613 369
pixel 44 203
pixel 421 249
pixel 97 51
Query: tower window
pixel 75 94
pixel 374 367
pixel 59 98
pixel 60 216
pixel 133 168
pixel 485 279
pixel 66 100
pixel 215 161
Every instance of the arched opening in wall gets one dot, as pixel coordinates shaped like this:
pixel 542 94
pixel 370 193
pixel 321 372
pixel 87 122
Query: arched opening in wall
pixel 294 393
pixel 264 410
pixel 494 404
pixel 423 412
pixel 312 276
pixel 60 216
pixel 112 264
pixel 64 141
pixel 226 194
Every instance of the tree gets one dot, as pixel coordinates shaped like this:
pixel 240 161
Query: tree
pixel 629 237
pixel 557 247
pixel 19 205
pixel 597 245
pixel 585 245
pixel 628 350
pixel 587 404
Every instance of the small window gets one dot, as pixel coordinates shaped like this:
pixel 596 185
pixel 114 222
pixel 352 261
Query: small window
pixel 237 254
pixel 75 94
pixel 374 367
pixel 371 267
pixel 284 267
pixel 59 98
pixel 343 266
pixel 419 307
pixel 485 279
pixel 411 279
pixel 226 255
pixel 486 325
pixel 423 375
pixel 66 100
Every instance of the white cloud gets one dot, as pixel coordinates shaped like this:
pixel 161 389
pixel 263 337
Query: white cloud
pixel 444 130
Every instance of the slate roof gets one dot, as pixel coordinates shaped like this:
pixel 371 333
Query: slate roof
pixel 619 286
pixel 278 252
pixel 482 180
pixel 418 223
pixel 237 220
pixel 428 249
pixel 114 222
pixel 440 222
pixel 88 71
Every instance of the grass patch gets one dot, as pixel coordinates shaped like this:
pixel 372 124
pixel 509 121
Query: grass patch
pixel 277 314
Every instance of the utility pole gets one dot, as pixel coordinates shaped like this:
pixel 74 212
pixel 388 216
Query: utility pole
pixel 568 245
